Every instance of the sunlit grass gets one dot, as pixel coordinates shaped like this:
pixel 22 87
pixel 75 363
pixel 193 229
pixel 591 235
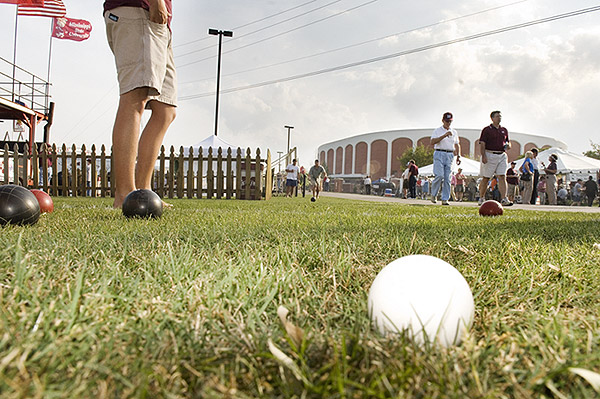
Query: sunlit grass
pixel 95 305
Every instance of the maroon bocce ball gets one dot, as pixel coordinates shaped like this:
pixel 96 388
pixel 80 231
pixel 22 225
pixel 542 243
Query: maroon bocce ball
pixel 491 208
pixel 45 201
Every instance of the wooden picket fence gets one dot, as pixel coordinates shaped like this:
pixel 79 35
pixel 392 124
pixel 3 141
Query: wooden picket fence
pixel 218 174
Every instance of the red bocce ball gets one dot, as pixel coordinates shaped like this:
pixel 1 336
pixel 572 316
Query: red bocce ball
pixel 491 208
pixel 46 203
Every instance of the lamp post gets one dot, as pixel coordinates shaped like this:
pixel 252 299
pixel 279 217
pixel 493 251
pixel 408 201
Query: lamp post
pixel 219 33
pixel 287 157
pixel 279 159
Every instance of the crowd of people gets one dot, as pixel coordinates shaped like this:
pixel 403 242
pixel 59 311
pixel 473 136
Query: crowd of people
pixel 534 182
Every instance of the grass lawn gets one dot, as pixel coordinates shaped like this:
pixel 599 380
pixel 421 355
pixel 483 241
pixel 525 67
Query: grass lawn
pixel 96 306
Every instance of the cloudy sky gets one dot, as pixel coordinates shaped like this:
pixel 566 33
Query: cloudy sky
pixel 545 78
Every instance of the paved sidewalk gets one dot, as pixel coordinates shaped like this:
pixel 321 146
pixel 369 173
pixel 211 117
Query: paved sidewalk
pixel 545 208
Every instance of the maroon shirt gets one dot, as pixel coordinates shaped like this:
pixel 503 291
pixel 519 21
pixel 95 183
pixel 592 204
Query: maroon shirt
pixel 511 177
pixel 494 138
pixel 413 170
pixel 110 4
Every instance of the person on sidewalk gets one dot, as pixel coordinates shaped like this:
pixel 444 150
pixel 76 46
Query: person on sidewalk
pixel 551 171
pixel 446 145
pixel 139 35
pixel 367 183
pixel 291 179
pixel 317 174
pixel 493 144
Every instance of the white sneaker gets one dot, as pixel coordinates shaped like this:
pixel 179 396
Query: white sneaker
pixel 433 200
pixel 445 203
pixel 506 202
pixel 481 201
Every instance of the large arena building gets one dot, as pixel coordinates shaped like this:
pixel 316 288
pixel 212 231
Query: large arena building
pixel 376 154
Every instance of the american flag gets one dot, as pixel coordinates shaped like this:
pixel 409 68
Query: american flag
pixel 51 8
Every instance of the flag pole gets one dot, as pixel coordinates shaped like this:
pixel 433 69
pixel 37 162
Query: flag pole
pixel 15 53
pixel 49 62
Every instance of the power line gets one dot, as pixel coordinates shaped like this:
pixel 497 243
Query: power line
pixel 252 23
pixel 365 42
pixel 284 33
pixel 262 29
pixel 402 53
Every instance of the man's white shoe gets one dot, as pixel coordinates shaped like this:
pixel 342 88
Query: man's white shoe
pixel 445 203
pixel 506 202
pixel 433 200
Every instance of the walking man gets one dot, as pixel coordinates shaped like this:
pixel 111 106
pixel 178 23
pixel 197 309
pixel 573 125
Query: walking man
pixel 291 181
pixel 413 172
pixel 367 185
pixel 493 144
pixel 317 174
pixel 139 35
pixel 536 175
pixel 446 145
pixel 551 171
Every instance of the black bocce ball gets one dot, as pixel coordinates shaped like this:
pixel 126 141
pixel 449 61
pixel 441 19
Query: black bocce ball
pixel 18 205
pixel 142 204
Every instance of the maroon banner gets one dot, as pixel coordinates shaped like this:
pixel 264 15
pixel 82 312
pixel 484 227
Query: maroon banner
pixel 71 29
pixel 24 2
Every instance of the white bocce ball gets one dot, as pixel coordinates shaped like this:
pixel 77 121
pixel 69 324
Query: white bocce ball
pixel 424 296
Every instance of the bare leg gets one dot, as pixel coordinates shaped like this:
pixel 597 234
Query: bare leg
pixel 126 132
pixel 150 142
pixel 483 187
pixel 502 186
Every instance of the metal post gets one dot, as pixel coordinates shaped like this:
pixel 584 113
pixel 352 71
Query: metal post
pixel 220 33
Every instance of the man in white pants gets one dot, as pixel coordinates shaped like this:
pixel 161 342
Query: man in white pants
pixel 446 145
pixel 493 144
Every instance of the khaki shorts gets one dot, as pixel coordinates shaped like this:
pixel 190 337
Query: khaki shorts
pixel 317 183
pixel 143 53
pixel 497 164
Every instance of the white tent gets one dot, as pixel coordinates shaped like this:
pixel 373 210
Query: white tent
pixel 215 143
pixel 469 168
pixel 567 163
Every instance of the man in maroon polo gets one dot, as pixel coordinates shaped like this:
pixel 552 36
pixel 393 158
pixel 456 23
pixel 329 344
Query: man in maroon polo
pixel 493 144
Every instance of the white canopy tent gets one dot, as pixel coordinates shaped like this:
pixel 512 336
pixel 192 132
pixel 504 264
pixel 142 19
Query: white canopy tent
pixel 469 167
pixel 215 143
pixel 568 163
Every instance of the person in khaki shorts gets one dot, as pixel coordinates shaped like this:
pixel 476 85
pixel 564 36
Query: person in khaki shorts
pixel 139 35
pixel 493 144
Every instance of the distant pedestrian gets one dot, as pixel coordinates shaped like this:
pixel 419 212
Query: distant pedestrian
pixel 405 176
pixel 512 179
pixel 367 183
pixel 541 190
pixel 536 175
pixel 317 174
pixel 291 179
pixel 446 145
pixel 576 193
pixel 591 188
pixel 493 144
pixel 527 177
pixel 413 172
pixel 460 185
pixel 551 171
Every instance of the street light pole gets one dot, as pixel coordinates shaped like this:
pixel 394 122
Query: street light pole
pixel 279 159
pixel 219 33
pixel 287 157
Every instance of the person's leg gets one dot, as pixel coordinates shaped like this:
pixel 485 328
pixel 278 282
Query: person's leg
pixel 483 187
pixel 447 169
pixel 502 186
pixel 125 137
pixel 150 142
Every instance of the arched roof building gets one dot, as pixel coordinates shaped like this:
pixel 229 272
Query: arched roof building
pixel 377 153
